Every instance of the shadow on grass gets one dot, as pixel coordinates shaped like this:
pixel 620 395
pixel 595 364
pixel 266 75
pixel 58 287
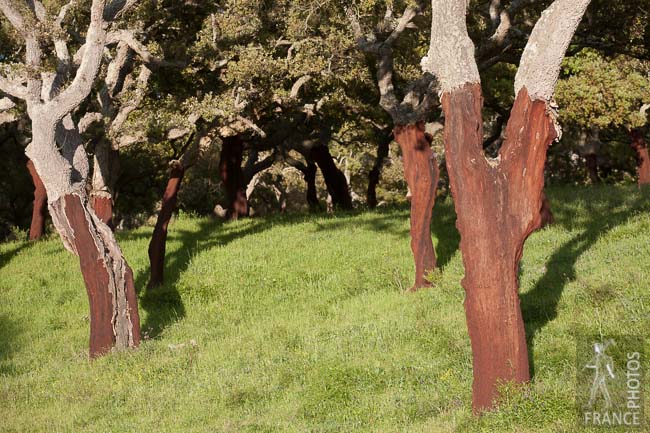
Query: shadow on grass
pixel 539 305
pixel 7 256
pixel 8 332
pixel 443 226
pixel 164 304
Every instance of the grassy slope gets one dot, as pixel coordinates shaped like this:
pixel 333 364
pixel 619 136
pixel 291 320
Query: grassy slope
pixel 301 325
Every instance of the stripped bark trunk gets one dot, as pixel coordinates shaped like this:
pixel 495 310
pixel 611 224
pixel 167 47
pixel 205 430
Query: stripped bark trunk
pixel 158 242
pixel 498 206
pixel 39 210
pixel 105 168
pixel 232 177
pixel 114 319
pixel 374 176
pixel 643 157
pixel 421 173
pixel 335 180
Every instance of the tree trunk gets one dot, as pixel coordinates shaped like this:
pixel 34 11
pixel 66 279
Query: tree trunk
pixel 105 168
pixel 498 203
pixel 642 156
pixel 337 185
pixel 232 177
pixel 114 319
pixel 37 228
pixel 374 176
pixel 421 173
pixel 312 192
pixel 159 236
pixel 591 161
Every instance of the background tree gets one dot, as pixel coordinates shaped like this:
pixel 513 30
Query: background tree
pixel 607 94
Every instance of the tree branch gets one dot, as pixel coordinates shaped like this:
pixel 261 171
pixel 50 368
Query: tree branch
pixel 80 87
pixel 451 52
pixel 540 63
pixel 13 88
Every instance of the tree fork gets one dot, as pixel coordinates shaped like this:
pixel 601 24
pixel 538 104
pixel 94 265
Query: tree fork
pixel 337 184
pixel 39 210
pixel 421 173
pixel 498 204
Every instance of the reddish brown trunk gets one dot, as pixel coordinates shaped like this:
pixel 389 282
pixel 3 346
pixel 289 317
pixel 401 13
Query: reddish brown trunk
pixel 375 174
pixel 232 177
pixel 37 228
pixel 642 156
pixel 546 212
pixel 159 237
pixel 498 204
pixel 421 173
pixel 103 207
pixel 337 184
pixel 114 319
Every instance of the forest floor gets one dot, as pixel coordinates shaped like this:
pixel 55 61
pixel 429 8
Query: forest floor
pixel 301 324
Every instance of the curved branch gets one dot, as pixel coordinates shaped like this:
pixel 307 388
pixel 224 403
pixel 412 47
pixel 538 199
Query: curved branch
pixel 540 63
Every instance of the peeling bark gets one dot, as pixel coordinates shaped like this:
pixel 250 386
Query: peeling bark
pixel 39 210
pixel 114 319
pixel 421 173
pixel 498 203
pixel 643 157
pixel 158 242
pixel 232 177
pixel 337 184
pixel 374 176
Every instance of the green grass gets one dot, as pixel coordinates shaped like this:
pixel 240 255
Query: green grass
pixel 301 325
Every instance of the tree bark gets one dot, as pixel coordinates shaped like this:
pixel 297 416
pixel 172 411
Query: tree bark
pixel 374 176
pixel 232 177
pixel 114 319
pixel 421 173
pixel 498 204
pixel 335 180
pixel 158 242
pixel 105 168
pixel 39 210
pixel 643 157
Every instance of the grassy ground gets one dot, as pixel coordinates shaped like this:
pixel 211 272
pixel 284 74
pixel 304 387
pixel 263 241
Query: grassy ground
pixel 301 324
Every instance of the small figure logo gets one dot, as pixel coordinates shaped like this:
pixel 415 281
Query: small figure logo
pixel 603 367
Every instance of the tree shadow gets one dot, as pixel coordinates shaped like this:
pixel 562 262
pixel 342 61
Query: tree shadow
pixel 443 226
pixel 8 331
pixel 164 304
pixel 7 256
pixel 539 305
